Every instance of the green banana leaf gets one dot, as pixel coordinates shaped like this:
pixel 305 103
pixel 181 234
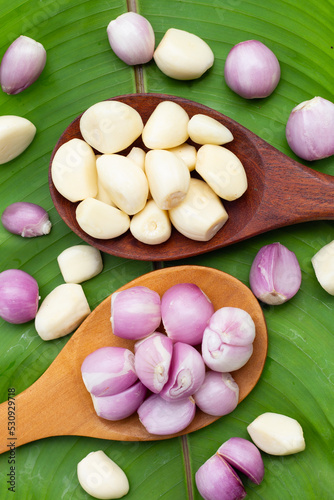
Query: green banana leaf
pixel 297 379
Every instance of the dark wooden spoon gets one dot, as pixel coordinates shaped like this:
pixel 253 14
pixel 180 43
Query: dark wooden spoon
pixel 58 404
pixel 281 191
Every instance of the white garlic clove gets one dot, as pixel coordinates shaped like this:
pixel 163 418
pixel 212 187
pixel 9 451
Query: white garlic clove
pixel 183 55
pixel 110 126
pixel 204 129
pixel 16 134
pixel 277 434
pixel 168 178
pixel 222 170
pixel 323 265
pixel 73 170
pixel 187 153
pixel 79 263
pixel 101 477
pixel 131 37
pixel 151 225
pixel 167 126
pixel 62 311
pixel 201 214
pixel 100 220
pixel 137 155
pixel 22 64
pixel 124 181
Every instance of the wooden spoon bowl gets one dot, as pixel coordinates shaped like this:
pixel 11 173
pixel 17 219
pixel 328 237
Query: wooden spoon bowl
pixel 58 402
pixel 280 191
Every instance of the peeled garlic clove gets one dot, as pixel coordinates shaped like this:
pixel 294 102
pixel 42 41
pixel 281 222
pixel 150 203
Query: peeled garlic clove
pixel 100 220
pixel 168 178
pixel 222 170
pixel 204 129
pixel 108 371
pixel 26 219
pixel 131 37
pixel 73 170
pixel 79 263
pixel 124 181
pixel 217 480
pixel 152 360
pixel 16 134
pixel 201 214
pixel 275 274
pixel 101 477
pixel 218 395
pixel 187 372
pixel 167 126
pixel 323 265
pixel 62 311
pixel 244 456
pixel 137 155
pixel 120 405
pixel 183 55
pixel 277 434
pixel 21 65
pixel 151 225
pixel 110 126
pixel 187 153
pixel 162 417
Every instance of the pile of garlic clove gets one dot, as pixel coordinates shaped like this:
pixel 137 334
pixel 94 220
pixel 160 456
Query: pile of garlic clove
pixel 150 189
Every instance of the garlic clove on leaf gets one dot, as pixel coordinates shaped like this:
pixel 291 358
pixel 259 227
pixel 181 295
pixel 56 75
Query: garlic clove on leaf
pixel 16 134
pixel 275 274
pixel 323 265
pixel 183 55
pixel 277 434
pixel 62 311
pixel 101 477
pixel 132 38
pixel 22 64
pixel 80 263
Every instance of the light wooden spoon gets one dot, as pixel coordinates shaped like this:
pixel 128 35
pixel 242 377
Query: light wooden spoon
pixel 280 191
pixel 58 402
